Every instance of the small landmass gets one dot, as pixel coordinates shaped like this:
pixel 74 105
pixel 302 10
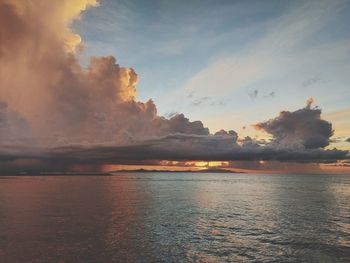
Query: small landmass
pixel 64 173
pixel 209 170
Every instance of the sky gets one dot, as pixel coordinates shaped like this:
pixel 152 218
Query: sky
pixel 251 85
pixel 222 62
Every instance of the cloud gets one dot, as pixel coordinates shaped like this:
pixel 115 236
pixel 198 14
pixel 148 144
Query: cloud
pixel 55 114
pixel 309 82
pixel 200 101
pixel 206 101
pixel 254 94
pixel 270 95
pixel 14 130
pixel 340 119
pixel 227 133
pixel 348 139
pixel 309 102
pixel 177 147
pixel 301 128
pixel 63 102
pixel 285 52
pixel 181 147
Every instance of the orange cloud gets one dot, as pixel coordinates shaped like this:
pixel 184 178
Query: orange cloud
pixel 80 116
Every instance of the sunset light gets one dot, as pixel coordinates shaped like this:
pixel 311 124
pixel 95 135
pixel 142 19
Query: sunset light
pixel 174 131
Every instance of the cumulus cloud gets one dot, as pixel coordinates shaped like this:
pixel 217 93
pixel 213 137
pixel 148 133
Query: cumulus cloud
pixel 231 133
pixel 176 147
pixel 65 103
pixel 309 102
pixel 303 128
pixel 56 113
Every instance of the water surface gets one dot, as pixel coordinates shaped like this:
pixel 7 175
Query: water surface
pixel 175 217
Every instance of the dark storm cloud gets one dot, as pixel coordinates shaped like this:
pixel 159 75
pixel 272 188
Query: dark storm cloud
pixel 180 147
pixel 55 114
pixel 303 127
pixel 348 139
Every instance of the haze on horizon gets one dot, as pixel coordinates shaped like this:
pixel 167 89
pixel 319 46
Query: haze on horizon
pixel 233 83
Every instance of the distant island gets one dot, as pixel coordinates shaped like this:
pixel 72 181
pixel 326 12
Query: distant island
pixel 63 173
pixel 141 170
pixel 209 170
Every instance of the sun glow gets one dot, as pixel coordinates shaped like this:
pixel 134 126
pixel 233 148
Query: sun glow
pixel 208 163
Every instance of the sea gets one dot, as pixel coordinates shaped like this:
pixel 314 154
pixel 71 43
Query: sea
pixel 175 217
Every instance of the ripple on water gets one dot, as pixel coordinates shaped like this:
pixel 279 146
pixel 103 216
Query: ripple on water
pixel 175 218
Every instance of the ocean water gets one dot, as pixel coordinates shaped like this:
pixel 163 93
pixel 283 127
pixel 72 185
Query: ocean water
pixel 175 217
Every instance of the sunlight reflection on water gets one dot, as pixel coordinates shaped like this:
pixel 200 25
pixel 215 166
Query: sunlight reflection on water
pixel 175 218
